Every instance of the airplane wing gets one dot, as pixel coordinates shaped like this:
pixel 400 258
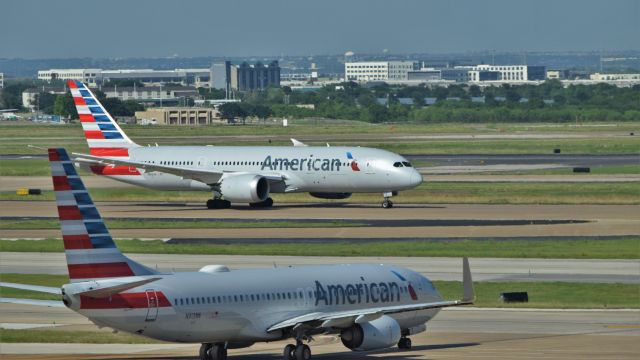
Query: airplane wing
pixel 343 319
pixel 202 175
pixel 209 177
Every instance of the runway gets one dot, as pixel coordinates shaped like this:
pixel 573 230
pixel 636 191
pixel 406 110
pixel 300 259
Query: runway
pixel 453 334
pixel 435 268
pixel 441 221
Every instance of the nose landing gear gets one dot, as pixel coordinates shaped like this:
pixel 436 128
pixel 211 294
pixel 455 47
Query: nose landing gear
pixel 387 203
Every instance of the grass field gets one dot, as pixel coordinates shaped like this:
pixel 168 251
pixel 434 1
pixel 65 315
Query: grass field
pixel 557 295
pixel 21 224
pixel 626 248
pixel 15 138
pixel 75 337
pixel 426 193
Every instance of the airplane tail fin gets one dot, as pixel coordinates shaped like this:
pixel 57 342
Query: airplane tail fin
pixel 104 136
pixel 89 248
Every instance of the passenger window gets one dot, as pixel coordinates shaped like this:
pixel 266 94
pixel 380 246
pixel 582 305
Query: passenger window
pixel 406 163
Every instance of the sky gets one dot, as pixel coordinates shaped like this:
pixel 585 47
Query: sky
pixel 189 28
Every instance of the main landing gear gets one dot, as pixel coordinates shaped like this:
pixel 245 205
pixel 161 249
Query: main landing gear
pixel 268 202
pixel 387 203
pixel 213 352
pixel 404 343
pixel 218 204
pixel 299 351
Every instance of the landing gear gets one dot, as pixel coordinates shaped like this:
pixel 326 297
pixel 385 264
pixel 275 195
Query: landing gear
pixel 218 204
pixel 268 202
pixel 297 352
pixel 387 203
pixel 213 352
pixel 404 343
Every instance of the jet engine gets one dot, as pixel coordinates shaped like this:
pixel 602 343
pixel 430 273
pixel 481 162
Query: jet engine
pixel 381 333
pixel 332 196
pixel 249 188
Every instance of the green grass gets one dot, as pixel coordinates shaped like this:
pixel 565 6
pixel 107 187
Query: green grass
pixel 15 138
pixel 626 248
pixel 20 224
pixel 557 295
pixel 554 295
pixel 80 337
pixel 427 193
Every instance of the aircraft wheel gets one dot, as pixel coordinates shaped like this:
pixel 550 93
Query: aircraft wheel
pixel 303 352
pixel 218 204
pixel 205 351
pixel 404 343
pixel 387 204
pixel 217 352
pixel 268 202
pixel 226 204
pixel 289 352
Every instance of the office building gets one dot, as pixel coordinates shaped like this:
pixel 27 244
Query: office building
pixel 178 116
pixel 614 77
pixel 364 71
pixel 152 94
pixel 1 80
pixel 507 73
pixel 245 76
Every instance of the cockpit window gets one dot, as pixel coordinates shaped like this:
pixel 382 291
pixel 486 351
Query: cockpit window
pixel 397 164
pixel 406 163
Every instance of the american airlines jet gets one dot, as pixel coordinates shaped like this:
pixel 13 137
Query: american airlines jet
pixel 368 306
pixel 237 174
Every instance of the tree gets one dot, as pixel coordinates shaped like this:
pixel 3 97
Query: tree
pixel 262 111
pixel 64 106
pixel 231 111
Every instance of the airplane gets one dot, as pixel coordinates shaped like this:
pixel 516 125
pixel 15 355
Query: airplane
pixel 237 174
pixel 369 307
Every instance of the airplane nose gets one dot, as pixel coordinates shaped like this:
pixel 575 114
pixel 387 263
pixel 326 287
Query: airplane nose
pixel 416 178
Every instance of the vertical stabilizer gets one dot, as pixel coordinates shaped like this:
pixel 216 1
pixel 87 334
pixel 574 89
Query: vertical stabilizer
pixel 91 252
pixel 104 136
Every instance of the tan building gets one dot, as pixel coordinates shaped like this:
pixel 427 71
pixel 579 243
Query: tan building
pixel 178 116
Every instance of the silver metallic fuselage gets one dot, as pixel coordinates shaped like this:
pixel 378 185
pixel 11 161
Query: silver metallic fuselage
pixel 241 313
pixel 303 169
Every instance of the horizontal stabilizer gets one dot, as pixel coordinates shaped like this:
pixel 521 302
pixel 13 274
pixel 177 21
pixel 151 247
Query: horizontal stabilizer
pixel 37 288
pixel 48 303
pixel 107 288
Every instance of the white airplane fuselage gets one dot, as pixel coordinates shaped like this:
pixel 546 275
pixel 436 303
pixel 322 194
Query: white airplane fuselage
pixel 238 306
pixel 303 169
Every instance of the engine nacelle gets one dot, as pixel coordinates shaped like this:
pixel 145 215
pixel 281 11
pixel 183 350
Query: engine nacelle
pixel 332 196
pixel 381 333
pixel 249 188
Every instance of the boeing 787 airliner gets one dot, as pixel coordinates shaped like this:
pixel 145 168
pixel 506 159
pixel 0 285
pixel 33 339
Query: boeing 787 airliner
pixel 369 307
pixel 237 174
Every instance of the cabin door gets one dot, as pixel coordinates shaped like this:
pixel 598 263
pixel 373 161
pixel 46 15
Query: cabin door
pixel 152 305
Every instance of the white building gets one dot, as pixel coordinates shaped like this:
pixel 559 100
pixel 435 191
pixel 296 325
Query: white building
pixel 156 94
pixel 95 77
pixel 88 76
pixel 364 71
pixel 614 77
pixel 507 73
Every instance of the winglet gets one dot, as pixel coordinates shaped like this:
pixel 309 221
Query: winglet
pixel 297 143
pixel 468 294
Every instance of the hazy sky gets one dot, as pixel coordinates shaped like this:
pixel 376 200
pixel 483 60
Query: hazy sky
pixel 158 28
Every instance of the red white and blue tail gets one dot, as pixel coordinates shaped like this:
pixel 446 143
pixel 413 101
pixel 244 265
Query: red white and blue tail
pixel 91 252
pixel 104 136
